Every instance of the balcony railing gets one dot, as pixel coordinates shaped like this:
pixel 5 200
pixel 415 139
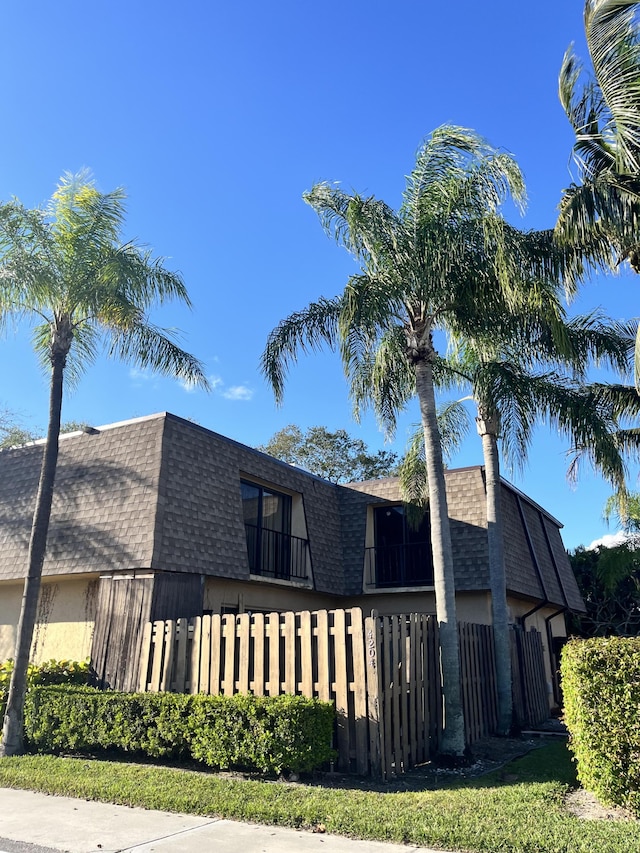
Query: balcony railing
pixel 399 565
pixel 275 554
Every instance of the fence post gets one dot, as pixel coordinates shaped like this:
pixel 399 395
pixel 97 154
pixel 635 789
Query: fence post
pixel 373 676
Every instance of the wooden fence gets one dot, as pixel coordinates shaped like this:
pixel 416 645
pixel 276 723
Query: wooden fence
pixel 530 703
pixel 382 673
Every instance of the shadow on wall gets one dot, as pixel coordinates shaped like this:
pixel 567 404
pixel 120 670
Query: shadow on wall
pixel 102 516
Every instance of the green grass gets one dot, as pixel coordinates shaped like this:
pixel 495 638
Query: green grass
pixel 486 814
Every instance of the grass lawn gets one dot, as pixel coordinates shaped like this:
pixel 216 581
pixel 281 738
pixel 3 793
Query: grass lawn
pixel 518 808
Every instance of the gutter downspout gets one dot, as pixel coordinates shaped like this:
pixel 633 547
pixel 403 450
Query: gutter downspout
pixel 555 679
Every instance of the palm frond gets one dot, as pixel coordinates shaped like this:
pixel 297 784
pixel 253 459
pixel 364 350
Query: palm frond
pixel 304 331
pixel 153 348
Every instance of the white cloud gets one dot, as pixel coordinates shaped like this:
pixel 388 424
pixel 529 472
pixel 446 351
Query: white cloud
pixel 216 382
pixel 190 387
pixel 139 377
pixel 238 392
pixel 610 540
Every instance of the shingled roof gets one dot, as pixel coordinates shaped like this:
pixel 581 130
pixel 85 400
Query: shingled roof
pixel 536 562
pixel 163 493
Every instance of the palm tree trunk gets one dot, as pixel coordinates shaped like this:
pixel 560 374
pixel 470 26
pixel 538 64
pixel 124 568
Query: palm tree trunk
pixel 453 737
pixel 12 732
pixel 488 431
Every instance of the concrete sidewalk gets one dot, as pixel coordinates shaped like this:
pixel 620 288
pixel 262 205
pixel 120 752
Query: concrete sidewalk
pixel 80 826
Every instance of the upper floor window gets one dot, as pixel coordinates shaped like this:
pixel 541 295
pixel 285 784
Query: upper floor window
pixel 271 548
pixel 402 554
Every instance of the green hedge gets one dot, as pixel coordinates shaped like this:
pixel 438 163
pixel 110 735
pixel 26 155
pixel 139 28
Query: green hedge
pixel 601 686
pixel 50 672
pixel 268 734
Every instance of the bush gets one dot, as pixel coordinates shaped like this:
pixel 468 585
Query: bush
pixel 51 672
pixel 268 734
pixel 601 685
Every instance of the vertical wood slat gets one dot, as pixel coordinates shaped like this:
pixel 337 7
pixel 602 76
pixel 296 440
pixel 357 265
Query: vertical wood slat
pixel 395 693
pixel 180 668
pixel 215 655
pixel 340 687
pixel 204 684
pixel 169 634
pixel 387 704
pixel 306 654
pixel 229 640
pixel 273 635
pixel 289 659
pixel 404 693
pixel 475 682
pixel 426 688
pixel 258 630
pixel 145 655
pixel 324 669
pixel 357 634
pixel 243 629
pixel 195 656
pixel 372 669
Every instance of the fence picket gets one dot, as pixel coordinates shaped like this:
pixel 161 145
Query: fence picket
pixel 372 668
pixel 243 630
pixel 145 654
pixel 340 687
pixel 273 636
pixel 289 660
pixel 358 640
pixel 306 654
pixel 382 673
pixel 258 633
pixel 323 688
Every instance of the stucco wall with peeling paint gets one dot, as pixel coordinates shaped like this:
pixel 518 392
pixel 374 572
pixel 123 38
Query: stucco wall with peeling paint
pixel 66 616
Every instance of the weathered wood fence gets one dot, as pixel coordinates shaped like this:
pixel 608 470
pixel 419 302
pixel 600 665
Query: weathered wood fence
pixel 382 673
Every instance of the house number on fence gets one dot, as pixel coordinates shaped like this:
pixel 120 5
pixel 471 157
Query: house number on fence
pixel 371 643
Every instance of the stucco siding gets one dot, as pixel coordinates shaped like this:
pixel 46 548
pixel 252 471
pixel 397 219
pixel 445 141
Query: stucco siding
pixel 65 621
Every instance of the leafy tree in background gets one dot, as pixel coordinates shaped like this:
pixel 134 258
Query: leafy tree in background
pixel 445 261
pixel 609 580
pixel 66 268
pixel 336 456
pixel 12 434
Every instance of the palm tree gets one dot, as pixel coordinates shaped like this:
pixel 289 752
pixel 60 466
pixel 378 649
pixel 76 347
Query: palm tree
pixel 603 210
pixel 66 267
pixel 513 388
pixel 445 261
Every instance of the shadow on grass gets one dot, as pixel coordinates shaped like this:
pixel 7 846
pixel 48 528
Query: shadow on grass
pixel 518 762
pixel 513 762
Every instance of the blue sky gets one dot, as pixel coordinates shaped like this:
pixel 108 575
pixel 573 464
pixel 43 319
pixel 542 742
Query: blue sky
pixel 216 117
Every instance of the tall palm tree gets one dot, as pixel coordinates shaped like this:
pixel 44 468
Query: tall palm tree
pixel 445 260
pixel 66 267
pixel 603 209
pixel 509 380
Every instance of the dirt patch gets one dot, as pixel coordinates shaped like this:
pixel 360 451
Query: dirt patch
pixel 584 804
pixel 486 755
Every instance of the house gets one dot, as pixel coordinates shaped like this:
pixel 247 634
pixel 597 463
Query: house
pixel 158 518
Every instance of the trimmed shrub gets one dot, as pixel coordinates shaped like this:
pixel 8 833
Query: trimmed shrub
pixel 50 672
pixel 268 734
pixel 258 732
pixel 601 686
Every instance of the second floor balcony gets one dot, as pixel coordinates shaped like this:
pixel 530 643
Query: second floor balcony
pixel 277 555
pixel 403 565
